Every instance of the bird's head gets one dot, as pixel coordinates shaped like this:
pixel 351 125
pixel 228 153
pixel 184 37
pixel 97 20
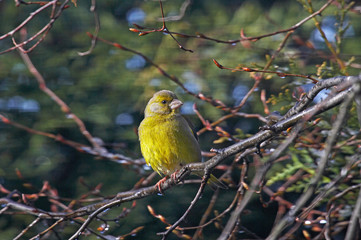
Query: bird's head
pixel 162 103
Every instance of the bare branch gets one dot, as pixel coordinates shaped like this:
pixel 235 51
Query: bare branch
pixel 64 107
pixel 320 168
pixel 243 37
pixel 53 17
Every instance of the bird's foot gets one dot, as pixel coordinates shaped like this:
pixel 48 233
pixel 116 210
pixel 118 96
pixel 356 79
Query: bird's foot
pixel 173 176
pixel 218 151
pixel 159 184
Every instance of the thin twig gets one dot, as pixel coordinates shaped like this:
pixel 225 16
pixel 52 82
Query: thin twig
pixel 140 30
pixel 194 201
pixel 211 204
pixel 44 30
pixel 320 169
pixel 64 107
pixel 36 220
pixel 182 11
pixel 115 157
pixel 93 9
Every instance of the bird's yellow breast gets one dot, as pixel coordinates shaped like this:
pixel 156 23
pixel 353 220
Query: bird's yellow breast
pixel 167 143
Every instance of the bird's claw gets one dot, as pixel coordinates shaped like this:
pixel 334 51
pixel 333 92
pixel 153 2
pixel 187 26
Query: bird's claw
pixel 173 176
pixel 159 184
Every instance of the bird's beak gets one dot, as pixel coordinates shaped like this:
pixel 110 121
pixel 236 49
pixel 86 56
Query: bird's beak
pixel 175 104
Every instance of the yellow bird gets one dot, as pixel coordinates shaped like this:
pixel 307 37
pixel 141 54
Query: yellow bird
pixel 167 141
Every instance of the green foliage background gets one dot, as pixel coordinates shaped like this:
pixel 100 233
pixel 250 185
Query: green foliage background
pixel 98 87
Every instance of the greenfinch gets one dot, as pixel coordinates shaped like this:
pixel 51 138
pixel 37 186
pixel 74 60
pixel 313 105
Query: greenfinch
pixel 166 139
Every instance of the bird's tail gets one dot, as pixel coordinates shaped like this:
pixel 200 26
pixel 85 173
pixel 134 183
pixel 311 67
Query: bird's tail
pixel 213 182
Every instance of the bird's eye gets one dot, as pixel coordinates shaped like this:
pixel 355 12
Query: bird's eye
pixel 164 101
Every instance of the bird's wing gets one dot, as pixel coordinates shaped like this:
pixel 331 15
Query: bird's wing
pixel 191 126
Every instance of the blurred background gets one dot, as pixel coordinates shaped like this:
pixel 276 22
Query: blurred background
pixel 109 88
